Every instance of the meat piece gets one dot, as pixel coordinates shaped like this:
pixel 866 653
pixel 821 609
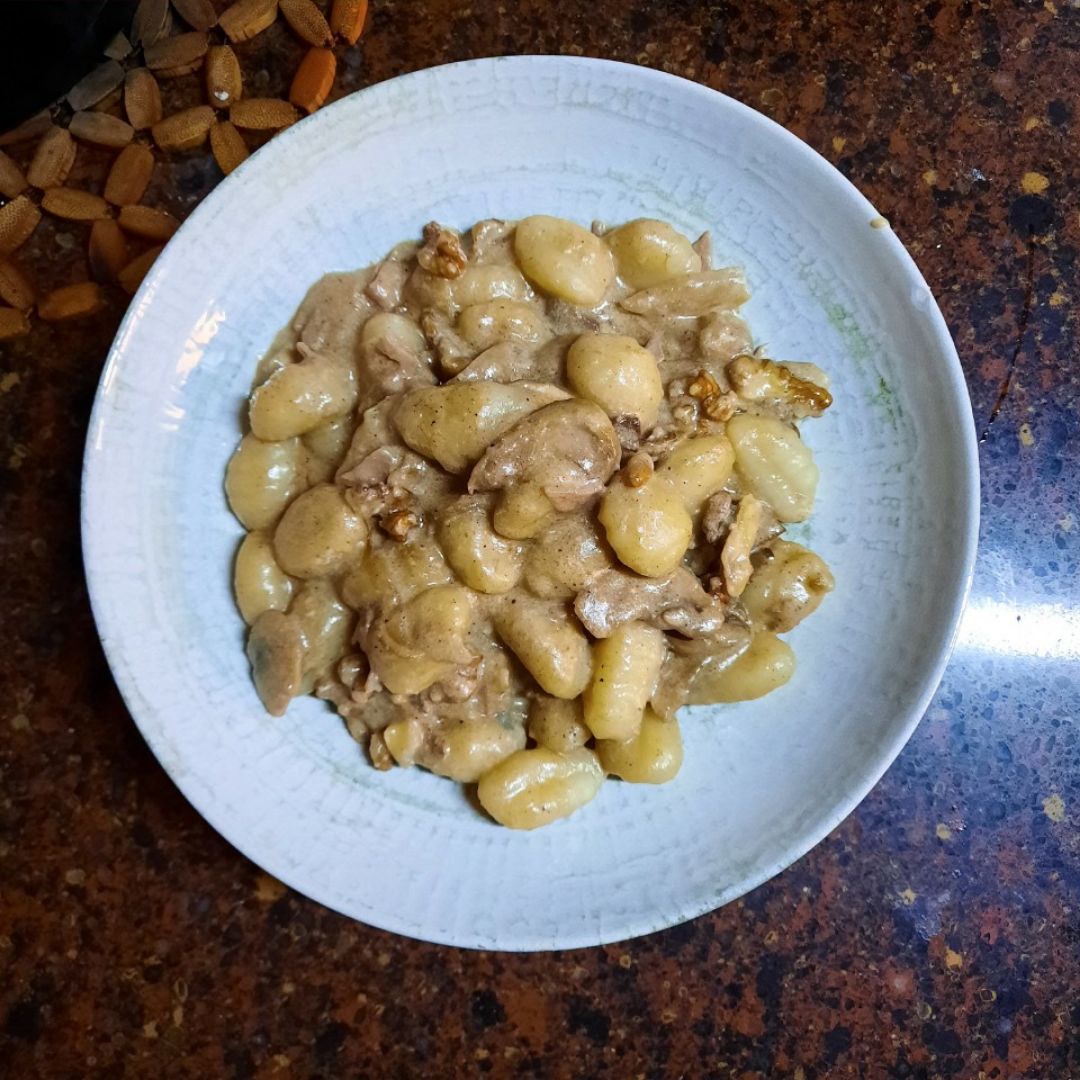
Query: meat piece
pixel 686 658
pixel 492 240
pixel 393 357
pixel 453 351
pixel 442 253
pixel 724 335
pixel 374 431
pixel 332 313
pixel 386 286
pixel 568 449
pixel 628 432
pixel 676 602
pixel 506 362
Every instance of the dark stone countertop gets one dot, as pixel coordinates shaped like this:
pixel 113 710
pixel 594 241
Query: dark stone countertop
pixel 934 934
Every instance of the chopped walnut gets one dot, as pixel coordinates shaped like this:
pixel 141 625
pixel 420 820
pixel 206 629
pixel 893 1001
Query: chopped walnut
pixel 379 754
pixel 766 383
pixel 397 524
pixel 715 403
pixel 717 516
pixel 442 253
pixel 638 469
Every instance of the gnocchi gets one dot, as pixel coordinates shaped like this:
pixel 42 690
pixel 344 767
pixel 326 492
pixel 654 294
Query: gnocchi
pixel 515 495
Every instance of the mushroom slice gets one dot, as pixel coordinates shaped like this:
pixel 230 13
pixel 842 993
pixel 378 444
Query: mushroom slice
pixel 569 449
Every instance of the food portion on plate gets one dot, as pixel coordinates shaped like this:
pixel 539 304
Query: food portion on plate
pixel 516 495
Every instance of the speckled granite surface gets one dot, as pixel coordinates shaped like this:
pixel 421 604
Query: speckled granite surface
pixel 935 934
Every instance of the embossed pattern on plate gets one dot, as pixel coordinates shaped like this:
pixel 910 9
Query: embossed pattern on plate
pixel 763 781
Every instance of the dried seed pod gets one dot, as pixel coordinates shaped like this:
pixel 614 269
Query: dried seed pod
pixel 314 79
pixel 16 288
pixel 198 14
pixel 101 129
pixel 37 125
pixel 148 222
pixel 71 302
pixel 224 81
pixel 142 99
pixel 184 130
pixel 108 250
pixel 129 175
pixel 101 82
pixel 18 219
pixel 74 205
pixel 347 19
pixel 178 55
pixel 110 104
pixel 13 323
pixel 246 18
pixel 131 276
pixel 307 21
pixel 119 48
pixel 151 21
pixel 263 114
pixel 52 160
pixel 228 145
pixel 12 180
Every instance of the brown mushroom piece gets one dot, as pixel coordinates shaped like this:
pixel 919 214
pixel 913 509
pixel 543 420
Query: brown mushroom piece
pixel 676 602
pixel 393 356
pixel 567 449
pixel 687 659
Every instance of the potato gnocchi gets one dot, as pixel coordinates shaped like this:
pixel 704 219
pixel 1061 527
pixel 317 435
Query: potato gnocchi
pixel 516 495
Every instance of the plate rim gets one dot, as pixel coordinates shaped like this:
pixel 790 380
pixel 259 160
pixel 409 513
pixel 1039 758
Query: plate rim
pixel 94 486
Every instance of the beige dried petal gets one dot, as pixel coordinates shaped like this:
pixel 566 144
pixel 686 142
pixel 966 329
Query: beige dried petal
pixel 228 145
pixel 18 219
pixel 103 130
pixel 148 222
pixel 74 205
pixel 108 250
pixel 119 48
pixel 263 114
pixel 131 276
pixel 71 302
pixel 110 104
pixel 142 99
pixel 198 14
pixel 52 160
pixel 12 179
pixel 13 323
pixel 151 20
pixel 101 82
pixel 37 125
pixel 129 175
pixel 184 130
pixel 246 18
pixel 307 21
pixel 16 288
pixel 224 81
pixel 177 52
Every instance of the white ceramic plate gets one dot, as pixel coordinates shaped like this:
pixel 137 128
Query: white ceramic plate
pixel 896 515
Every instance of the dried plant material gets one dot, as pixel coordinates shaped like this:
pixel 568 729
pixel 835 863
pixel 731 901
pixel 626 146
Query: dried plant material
pixel 103 130
pixel 314 79
pixel 131 276
pixel 347 19
pixel 119 48
pixel 101 82
pixel 71 302
pixel 307 21
pixel 198 14
pixel 178 55
pixel 263 114
pixel 224 81
pixel 13 323
pixel 37 125
pixel 148 222
pixel 18 220
pixel 184 130
pixel 228 145
pixel 16 288
pixel 74 205
pixel 129 175
pixel 12 179
pixel 246 18
pixel 108 250
pixel 150 22
pixel 52 160
pixel 142 99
